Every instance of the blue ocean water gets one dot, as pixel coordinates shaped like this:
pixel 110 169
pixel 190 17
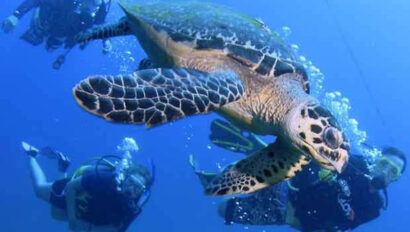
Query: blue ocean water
pixel 37 106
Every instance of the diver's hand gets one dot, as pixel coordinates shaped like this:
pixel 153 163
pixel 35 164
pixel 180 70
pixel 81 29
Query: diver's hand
pixel 9 24
pixel 107 47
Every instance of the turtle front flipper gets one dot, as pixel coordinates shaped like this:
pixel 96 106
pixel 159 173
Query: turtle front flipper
pixel 104 32
pixel 155 96
pixel 270 165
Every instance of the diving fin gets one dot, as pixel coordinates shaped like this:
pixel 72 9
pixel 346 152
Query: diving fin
pixel 225 135
pixel 63 161
pixel 204 177
pixel 30 150
pixel 119 28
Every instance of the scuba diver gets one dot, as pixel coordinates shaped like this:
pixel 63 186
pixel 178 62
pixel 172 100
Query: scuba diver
pixel 315 199
pixel 105 194
pixel 58 22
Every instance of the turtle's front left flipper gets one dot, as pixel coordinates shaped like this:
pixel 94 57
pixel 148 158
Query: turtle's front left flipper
pixel 120 28
pixel 270 165
pixel 155 96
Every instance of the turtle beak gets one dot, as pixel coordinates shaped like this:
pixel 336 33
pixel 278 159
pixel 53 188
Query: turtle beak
pixel 337 159
pixel 339 166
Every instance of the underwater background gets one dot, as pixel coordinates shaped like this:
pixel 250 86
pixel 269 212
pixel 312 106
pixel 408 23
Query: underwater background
pixel 361 47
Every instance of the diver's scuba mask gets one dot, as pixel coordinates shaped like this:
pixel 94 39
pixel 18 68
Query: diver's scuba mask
pixel 388 168
pixel 134 185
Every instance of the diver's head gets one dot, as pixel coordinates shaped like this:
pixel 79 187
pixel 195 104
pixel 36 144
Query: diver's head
pixel 319 135
pixel 388 167
pixel 137 179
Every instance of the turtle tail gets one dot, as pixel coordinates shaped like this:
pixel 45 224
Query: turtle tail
pixel 120 28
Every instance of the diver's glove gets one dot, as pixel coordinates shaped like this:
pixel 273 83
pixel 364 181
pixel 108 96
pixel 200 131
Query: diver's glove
pixel 9 23
pixel 30 150
pixel 107 47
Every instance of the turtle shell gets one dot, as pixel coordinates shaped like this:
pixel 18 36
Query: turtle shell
pixel 208 26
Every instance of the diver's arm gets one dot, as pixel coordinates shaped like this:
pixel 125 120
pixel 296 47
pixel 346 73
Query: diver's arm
pixel 25 7
pixel 11 22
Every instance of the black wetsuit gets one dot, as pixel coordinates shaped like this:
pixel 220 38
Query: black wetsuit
pixel 339 205
pixel 265 207
pixel 108 206
pixel 59 19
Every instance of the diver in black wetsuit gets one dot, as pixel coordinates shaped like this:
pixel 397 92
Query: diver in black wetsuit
pixel 58 22
pixel 315 199
pixel 103 196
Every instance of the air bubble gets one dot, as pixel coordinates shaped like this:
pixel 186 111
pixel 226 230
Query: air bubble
pixel 295 47
pixel 286 31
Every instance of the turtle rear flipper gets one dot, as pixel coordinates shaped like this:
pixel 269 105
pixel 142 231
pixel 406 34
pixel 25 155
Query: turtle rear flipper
pixel 264 168
pixel 104 32
pixel 155 96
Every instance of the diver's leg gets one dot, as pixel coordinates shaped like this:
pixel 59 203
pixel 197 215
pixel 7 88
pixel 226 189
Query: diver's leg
pixel 53 43
pixel 59 214
pixel 42 188
pixel 34 34
pixel 31 37
pixel 60 59
pixel 291 218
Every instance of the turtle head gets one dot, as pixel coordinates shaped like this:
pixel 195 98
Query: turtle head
pixel 315 131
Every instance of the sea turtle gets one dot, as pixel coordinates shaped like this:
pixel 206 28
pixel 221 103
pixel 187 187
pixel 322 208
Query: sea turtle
pixel 212 58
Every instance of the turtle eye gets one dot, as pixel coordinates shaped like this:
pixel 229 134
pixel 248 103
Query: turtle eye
pixel 332 138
